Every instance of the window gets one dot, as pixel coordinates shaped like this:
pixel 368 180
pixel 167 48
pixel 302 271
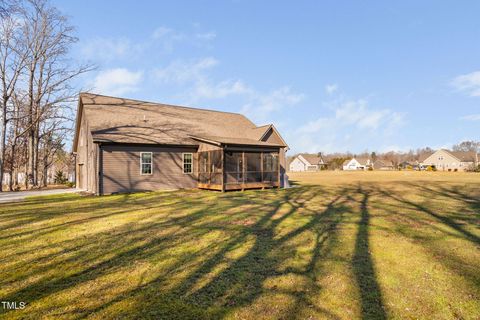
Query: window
pixel 187 162
pixel 145 163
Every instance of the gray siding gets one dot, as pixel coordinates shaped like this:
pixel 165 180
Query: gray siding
pixel 121 169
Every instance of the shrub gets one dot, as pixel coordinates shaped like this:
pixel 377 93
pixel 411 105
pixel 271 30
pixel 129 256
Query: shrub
pixel 409 167
pixel 455 169
pixel 70 184
pixel 370 169
pixel 59 177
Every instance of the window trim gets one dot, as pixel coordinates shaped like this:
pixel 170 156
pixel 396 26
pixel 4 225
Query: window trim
pixel 151 163
pixel 183 162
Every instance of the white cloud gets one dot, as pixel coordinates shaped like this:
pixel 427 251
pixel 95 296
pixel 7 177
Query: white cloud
pixel 107 49
pixel 195 76
pixel 353 123
pixel 356 113
pixel 117 81
pixel 469 83
pixel 331 88
pixel 185 71
pixel 161 40
pixel 262 105
pixel 168 38
pixel 471 117
pixel 208 36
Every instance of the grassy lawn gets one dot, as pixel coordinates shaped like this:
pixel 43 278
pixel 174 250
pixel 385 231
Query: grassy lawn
pixel 340 245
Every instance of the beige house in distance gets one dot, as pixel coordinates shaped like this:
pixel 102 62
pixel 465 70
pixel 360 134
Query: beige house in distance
pixel 125 145
pixel 446 160
pixel 357 163
pixel 306 162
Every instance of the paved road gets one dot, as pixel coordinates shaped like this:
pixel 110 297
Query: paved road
pixel 21 195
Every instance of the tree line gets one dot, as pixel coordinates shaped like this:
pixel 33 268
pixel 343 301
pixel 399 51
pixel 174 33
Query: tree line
pixel 36 92
pixel 335 160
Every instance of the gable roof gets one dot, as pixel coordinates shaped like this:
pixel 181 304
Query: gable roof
pixel 462 156
pixel 382 163
pixel 120 120
pixel 362 160
pixel 425 156
pixel 312 159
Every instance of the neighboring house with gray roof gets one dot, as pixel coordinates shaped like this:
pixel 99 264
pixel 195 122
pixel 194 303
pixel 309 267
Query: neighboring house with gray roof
pixel 446 160
pixel 124 145
pixel 306 162
pixel 382 164
pixel 357 163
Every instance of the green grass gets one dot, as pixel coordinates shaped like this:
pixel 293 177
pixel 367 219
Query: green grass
pixel 338 246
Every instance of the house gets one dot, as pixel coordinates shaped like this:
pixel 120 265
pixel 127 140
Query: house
pixel 446 160
pixel 381 164
pixel 358 163
pixel 410 165
pixel 306 162
pixel 125 145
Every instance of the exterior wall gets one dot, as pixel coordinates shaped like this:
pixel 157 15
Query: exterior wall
pixel 297 165
pixel 86 159
pixel 353 165
pixel 208 147
pixel 121 169
pixel 444 161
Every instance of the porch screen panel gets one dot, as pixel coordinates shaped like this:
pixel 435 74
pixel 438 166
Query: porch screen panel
pixel 216 167
pixel 203 167
pixel 234 167
pixel 270 166
pixel 210 167
pixel 253 166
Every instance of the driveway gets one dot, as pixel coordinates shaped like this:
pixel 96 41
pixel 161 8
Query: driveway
pixel 21 195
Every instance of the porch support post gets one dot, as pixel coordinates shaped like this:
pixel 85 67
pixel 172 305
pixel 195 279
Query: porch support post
pixel 244 171
pixel 261 166
pixel 223 170
pixel 278 168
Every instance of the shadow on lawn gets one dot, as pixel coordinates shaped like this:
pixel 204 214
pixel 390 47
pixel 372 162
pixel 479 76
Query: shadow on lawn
pixel 363 266
pixel 239 284
pixel 210 283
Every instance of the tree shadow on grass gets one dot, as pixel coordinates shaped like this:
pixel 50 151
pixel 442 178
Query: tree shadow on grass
pixel 440 217
pixel 242 281
pixel 214 284
pixel 363 266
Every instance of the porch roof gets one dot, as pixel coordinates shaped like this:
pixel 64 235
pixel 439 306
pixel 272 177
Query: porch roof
pixel 236 141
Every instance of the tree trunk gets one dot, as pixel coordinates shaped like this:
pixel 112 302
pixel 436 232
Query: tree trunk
pixel 12 168
pixel 35 157
pixel 3 137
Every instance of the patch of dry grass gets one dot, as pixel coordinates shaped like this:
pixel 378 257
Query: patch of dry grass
pixel 339 246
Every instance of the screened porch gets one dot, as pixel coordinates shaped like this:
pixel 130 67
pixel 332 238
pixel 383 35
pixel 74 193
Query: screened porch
pixel 238 170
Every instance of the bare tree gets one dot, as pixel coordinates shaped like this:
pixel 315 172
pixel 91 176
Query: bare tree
pixel 49 37
pixel 467 146
pixel 12 63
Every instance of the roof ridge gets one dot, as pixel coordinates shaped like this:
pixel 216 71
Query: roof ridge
pixel 164 104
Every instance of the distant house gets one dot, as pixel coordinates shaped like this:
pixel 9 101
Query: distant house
pixel 357 163
pixel 446 160
pixel 125 145
pixel 381 164
pixel 409 165
pixel 306 162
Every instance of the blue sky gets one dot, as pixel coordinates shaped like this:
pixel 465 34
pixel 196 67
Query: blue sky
pixel 332 76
